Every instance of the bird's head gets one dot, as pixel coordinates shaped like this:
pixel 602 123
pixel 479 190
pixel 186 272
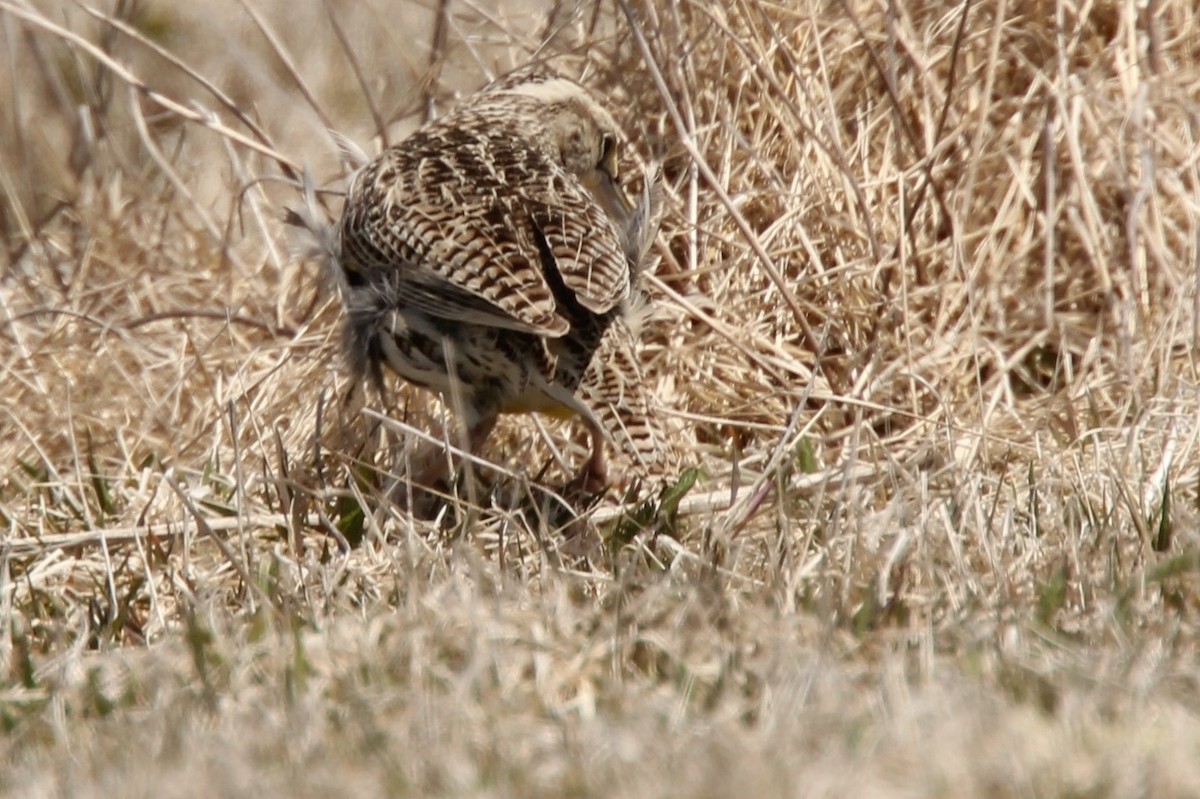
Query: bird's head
pixel 581 136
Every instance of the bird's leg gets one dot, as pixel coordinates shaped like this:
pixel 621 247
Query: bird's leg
pixel 593 477
pixel 437 469
pixel 478 433
pixel 435 475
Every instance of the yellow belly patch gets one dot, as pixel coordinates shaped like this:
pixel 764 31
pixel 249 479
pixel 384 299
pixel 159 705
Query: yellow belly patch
pixel 538 404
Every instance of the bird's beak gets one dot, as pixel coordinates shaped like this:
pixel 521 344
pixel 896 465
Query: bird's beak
pixel 605 191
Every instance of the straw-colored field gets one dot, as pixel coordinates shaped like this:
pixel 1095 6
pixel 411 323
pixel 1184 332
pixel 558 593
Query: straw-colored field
pixel 924 322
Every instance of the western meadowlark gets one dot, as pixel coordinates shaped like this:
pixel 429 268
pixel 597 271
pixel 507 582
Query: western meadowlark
pixel 493 254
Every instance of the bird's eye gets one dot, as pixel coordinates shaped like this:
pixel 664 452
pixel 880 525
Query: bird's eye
pixel 607 156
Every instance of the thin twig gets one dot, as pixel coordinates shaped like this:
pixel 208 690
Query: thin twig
pixel 360 76
pixel 225 100
pixel 689 144
pixel 166 103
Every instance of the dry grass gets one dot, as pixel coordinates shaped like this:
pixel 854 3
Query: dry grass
pixel 925 320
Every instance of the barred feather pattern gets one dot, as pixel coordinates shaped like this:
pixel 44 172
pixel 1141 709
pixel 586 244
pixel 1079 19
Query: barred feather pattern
pixel 487 256
pixel 615 392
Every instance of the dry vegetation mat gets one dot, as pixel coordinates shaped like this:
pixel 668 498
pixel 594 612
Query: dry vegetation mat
pixel 922 325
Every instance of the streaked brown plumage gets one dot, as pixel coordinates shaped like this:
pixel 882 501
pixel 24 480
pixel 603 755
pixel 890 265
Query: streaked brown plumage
pixel 488 256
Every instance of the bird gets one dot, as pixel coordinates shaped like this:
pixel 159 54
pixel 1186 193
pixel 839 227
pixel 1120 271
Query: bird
pixel 493 257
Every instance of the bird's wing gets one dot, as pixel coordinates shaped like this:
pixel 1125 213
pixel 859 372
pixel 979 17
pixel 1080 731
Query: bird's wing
pixel 579 244
pixel 477 225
